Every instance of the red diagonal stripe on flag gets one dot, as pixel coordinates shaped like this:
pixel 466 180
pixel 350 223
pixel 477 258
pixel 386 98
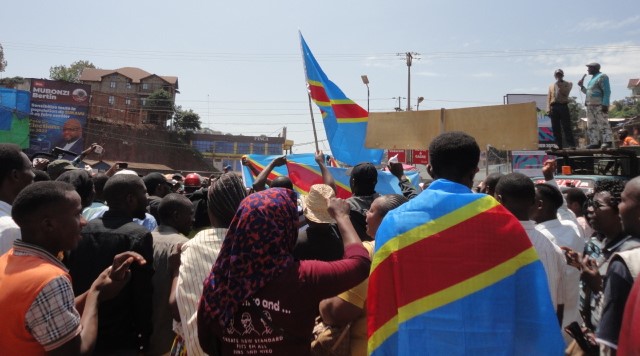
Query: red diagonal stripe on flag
pixel 303 177
pixel 422 262
pixel 349 111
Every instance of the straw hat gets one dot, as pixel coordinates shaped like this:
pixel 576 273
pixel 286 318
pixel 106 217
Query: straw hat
pixel 314 204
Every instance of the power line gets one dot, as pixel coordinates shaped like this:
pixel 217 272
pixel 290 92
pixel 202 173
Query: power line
pixel 295 57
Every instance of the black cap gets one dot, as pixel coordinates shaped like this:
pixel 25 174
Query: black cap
pixel 559 71
pixel 152 180
pixel 363 172
pixel 59 166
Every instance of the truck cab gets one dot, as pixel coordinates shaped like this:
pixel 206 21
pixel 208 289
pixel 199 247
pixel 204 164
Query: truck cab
pixel 587 168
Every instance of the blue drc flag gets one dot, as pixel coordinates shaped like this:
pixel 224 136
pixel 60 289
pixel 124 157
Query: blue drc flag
pixel 387 183
pixel 454 273
pixel 345 122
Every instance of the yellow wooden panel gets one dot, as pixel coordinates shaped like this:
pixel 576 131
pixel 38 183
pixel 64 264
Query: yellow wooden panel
pixel 402 130
pixel 506 127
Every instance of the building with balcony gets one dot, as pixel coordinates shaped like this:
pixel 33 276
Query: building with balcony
pixel 119 95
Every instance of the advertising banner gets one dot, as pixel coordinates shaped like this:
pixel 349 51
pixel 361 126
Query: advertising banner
pixel 402 155
pixel 58 116
pixel 420 156
pixel 529 163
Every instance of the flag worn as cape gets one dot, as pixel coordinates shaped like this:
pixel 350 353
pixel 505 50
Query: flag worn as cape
pixel 345 122
pixel 303 171
pixel 454 273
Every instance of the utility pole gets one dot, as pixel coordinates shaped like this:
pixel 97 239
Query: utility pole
pixel 409 56
pixel 399 107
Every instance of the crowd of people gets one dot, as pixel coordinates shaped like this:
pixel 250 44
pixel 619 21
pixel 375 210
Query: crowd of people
pixel 122 264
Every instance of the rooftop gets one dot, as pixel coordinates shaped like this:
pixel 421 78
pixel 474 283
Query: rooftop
pixel 133 73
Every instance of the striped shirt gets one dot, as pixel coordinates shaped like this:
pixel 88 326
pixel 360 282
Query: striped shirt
pixel 196 259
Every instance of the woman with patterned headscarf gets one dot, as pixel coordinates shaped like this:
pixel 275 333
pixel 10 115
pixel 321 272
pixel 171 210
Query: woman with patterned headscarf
pixel 258 297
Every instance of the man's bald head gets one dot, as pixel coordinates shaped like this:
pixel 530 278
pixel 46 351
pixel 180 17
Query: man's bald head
pixel 71 130
pixel 282 182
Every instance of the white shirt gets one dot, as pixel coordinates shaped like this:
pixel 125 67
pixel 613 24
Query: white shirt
pixel 567 217
pixel 552 259
pixel 9 230
pixel 564 235
pixel 68 146
pixel 196 259
pixel 588 230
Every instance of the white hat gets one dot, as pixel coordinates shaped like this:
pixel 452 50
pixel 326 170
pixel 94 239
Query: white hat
pixel 315 204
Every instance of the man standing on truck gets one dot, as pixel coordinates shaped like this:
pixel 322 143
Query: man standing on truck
pixel 558 109
pixel 597 103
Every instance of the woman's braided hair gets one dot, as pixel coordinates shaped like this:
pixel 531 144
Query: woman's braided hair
pixel 224 197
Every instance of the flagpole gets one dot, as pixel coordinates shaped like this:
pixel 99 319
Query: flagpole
pixel 313 123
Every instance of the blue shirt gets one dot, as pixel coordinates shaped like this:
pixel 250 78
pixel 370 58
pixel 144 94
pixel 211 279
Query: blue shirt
pixel 598 90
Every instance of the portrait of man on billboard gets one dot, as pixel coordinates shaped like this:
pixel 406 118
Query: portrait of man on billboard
pixel 71 138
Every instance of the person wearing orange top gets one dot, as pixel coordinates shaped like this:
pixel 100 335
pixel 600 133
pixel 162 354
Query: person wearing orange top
pixel 625 139
pixel 40 314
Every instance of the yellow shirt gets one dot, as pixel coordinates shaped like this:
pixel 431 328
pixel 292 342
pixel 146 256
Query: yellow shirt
pixel 358 297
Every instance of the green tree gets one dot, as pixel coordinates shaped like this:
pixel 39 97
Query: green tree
pixel 3 62
pixel 159 106
pixel 11 82
pixel 71 73
pixel 184 120
pixel 625 108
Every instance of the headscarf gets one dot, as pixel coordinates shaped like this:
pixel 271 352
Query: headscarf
pixel 257 249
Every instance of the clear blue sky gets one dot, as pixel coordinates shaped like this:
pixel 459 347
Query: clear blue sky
pixel 239 64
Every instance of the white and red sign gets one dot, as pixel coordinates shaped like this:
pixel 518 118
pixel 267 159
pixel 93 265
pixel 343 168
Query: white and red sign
pixel 402 155
pixel 420 156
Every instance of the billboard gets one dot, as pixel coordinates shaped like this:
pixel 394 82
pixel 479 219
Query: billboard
pixel 529 163
pixel 58 116
pixel 546 140
pixel 14 116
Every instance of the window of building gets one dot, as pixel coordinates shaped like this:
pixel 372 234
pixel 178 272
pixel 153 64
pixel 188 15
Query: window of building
pixel 259 148
pixel 274 149
pixel 112 100
pixel 202 146
pixel 113 84
pixel 145 86
pixel 143 101
pixel 244 148
pixel 127 101
pixel 223 147
pixel 128 85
